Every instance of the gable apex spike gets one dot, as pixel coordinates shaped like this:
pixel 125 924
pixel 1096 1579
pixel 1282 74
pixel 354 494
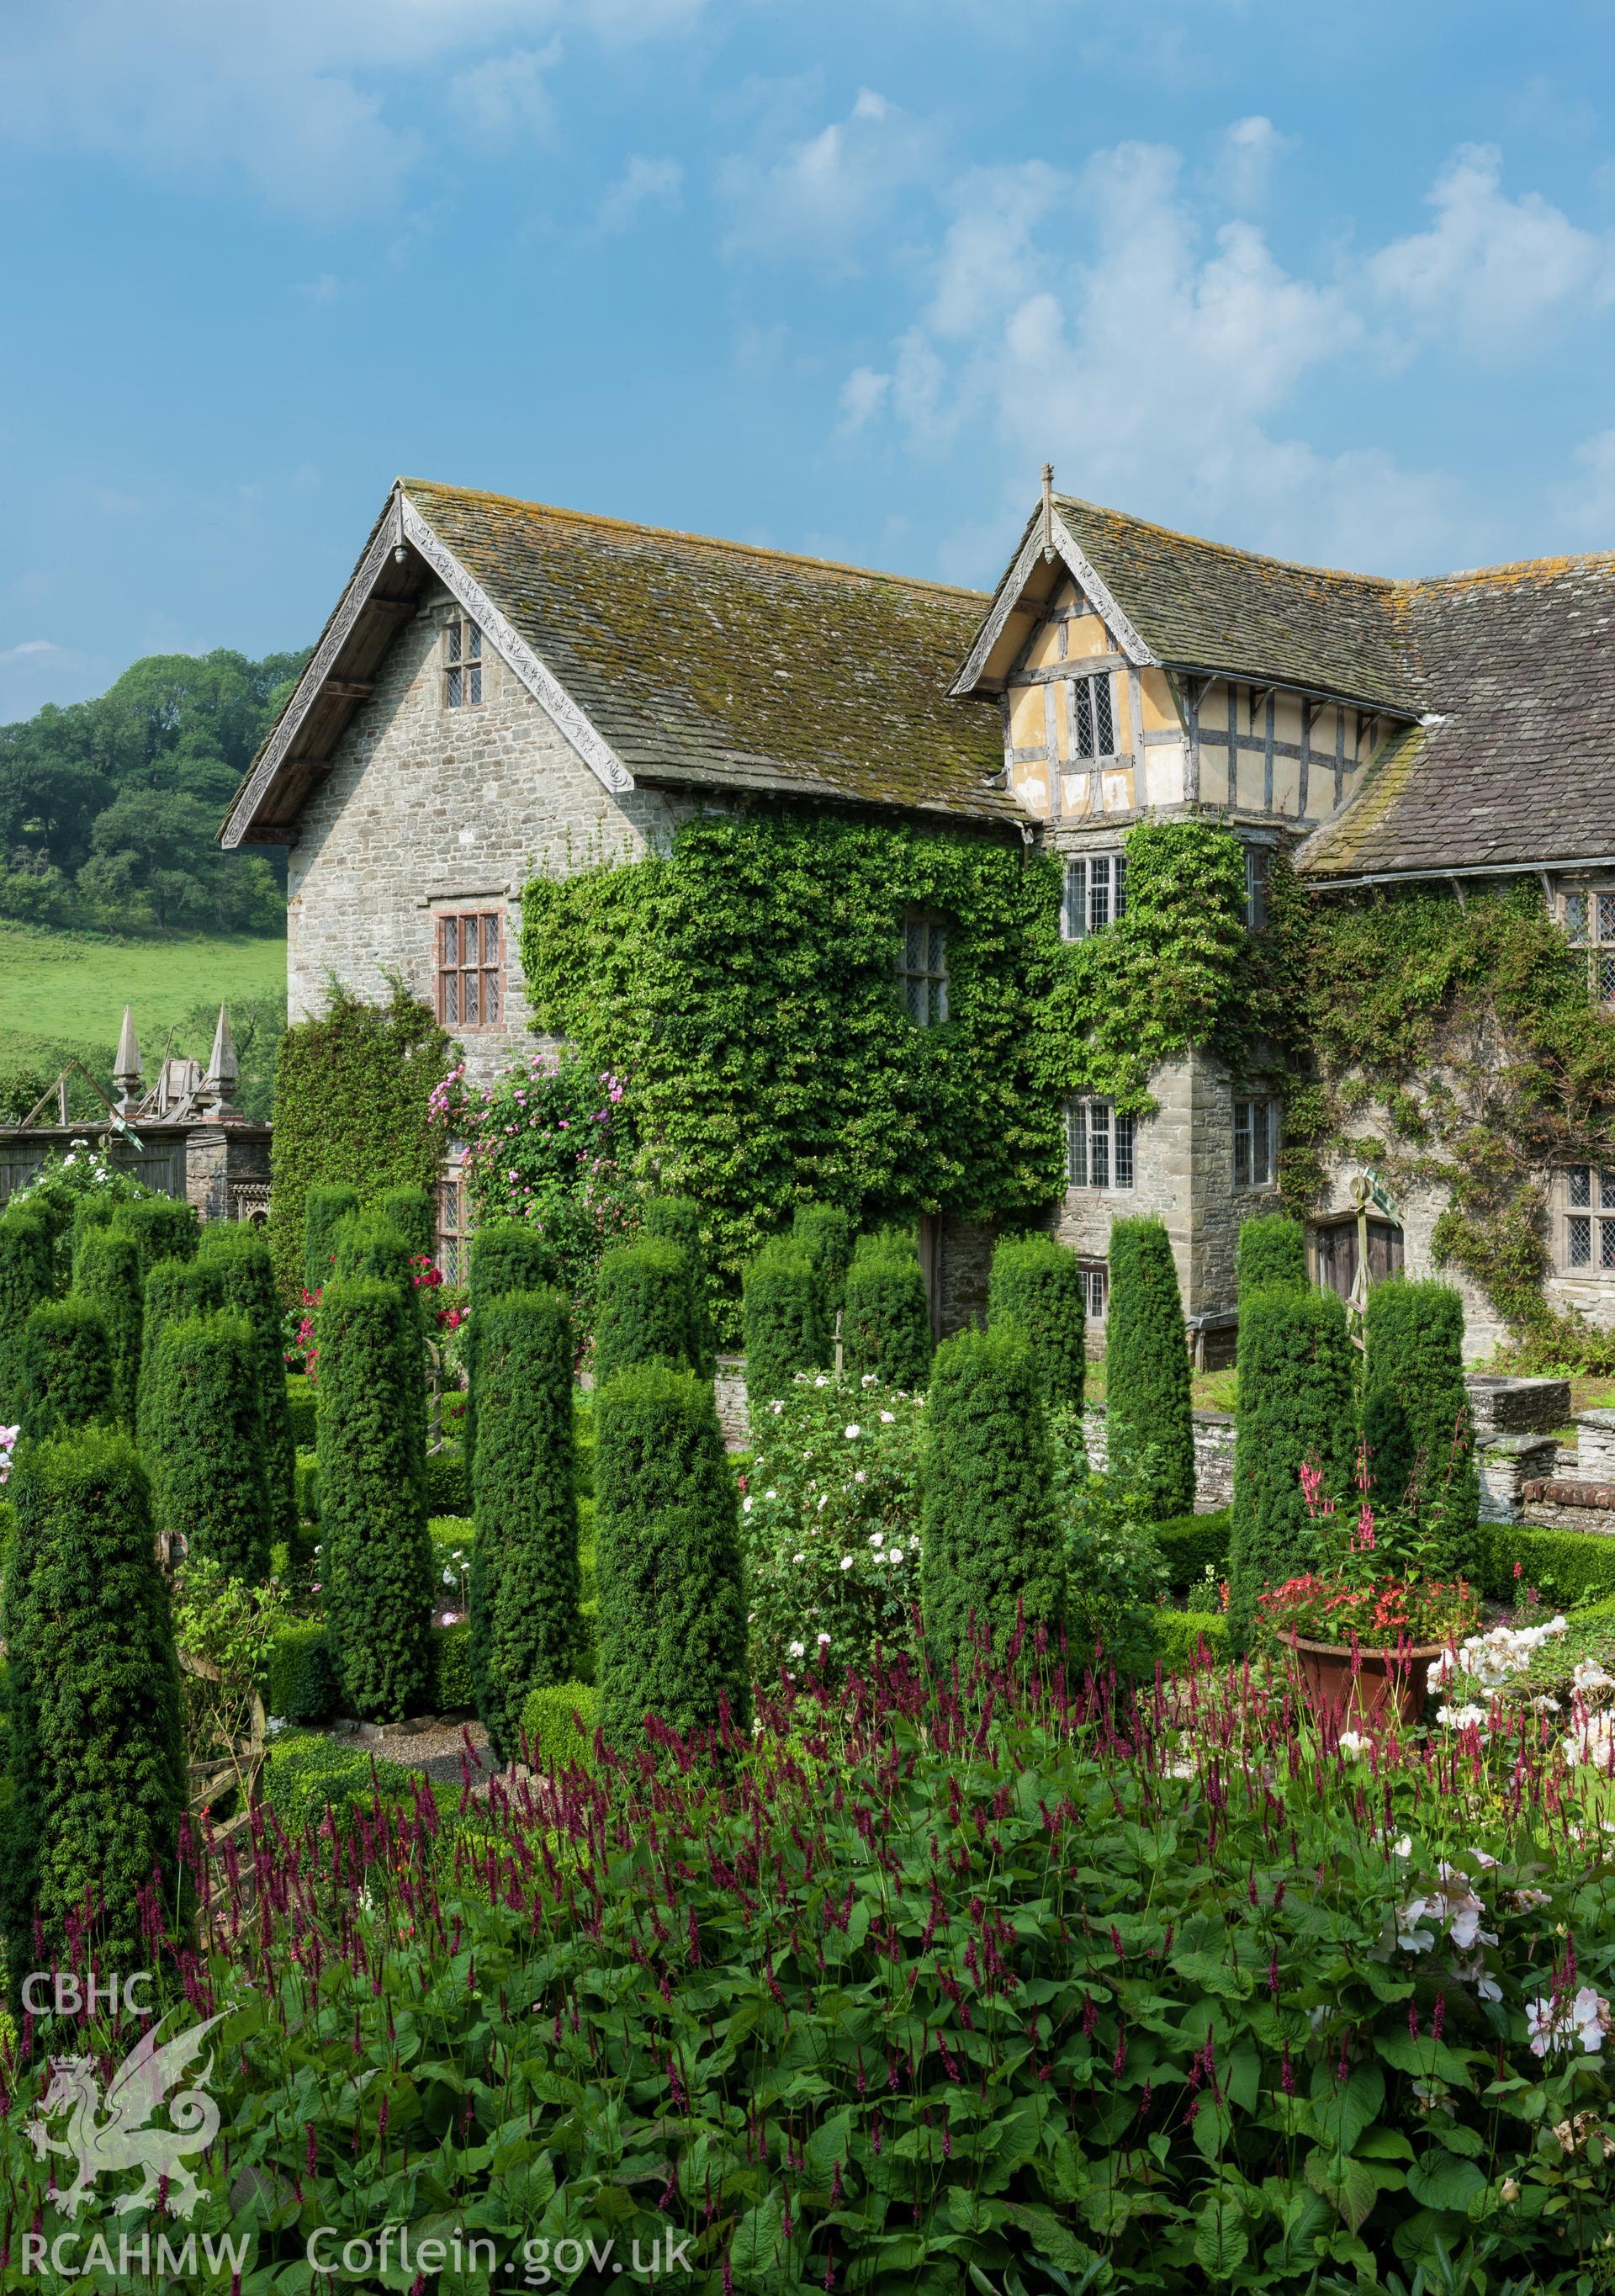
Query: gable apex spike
pixel 1048 512
pixel 127 1072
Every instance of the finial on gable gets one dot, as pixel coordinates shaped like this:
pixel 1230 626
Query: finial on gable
pixel 127 1072
pixel 1048 511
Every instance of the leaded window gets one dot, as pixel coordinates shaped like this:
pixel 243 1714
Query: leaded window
pixel 1095 1276
pixel 922 971
pixel 1256 887
pixel 1095 894
pixel 462 665
pixel 1589 1219
pixel 1589 919
pixel 1100 1140
pixel 1093 717
pixel 470 968
pixel 454 1227
pixel 1256 1130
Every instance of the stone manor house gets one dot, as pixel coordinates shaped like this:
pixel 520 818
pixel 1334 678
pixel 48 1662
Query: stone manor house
pixel 504 688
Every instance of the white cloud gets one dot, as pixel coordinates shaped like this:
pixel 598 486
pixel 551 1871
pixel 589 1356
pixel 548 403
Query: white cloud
pixel 281 98
pixel 1248 152
pixel 862 395
pixel 1490 271
pixel 505 100
pixel 643 183
pixel 29 647
pixel 828 191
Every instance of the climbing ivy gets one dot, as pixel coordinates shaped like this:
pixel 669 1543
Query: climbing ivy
pixel 743 984
pixel 351 1103
pixel 1452 1043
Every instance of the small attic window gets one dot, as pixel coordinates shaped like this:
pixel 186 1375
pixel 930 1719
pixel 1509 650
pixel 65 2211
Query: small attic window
pixel 922 970
pixel 462 665
pixel 1094 719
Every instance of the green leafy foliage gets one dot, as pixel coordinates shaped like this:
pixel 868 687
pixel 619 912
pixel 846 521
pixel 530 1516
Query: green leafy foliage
pixel 95 1747
pixel 1149 1402
pixel 1414 1366
pixel 324 1209
pixel 1190 1543
pixel 352 1096
pixel 163 1228
pixel 376 1555
pixel 27 1275
pixel 506 1255
pixel 1272 1250
pixel 524 1584
pixel 239 1255
pixel 783 1307
pixel 557 1726
pixel 830 1525
pixel 108 1273
pixel 824 1233
pixel 1036 1285
pixel 205 1448
pixel 1115 1572
pixel 174 1288
pixel 992 1555
pixel 66 1378
pixel 1296 1407
pixel 886 1328
pixel 301 1683
pixel 667 1555
pixel 644 1311
pixel 306 1778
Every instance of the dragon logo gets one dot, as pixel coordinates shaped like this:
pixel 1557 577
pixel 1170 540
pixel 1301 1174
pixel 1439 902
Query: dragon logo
pixel 106 2135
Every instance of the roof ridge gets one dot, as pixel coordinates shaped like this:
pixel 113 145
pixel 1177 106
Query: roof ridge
pixel 705 541
pixel 1558 560
pixel 1232 550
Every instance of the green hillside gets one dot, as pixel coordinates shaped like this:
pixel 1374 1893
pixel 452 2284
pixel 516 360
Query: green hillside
pixel 64 992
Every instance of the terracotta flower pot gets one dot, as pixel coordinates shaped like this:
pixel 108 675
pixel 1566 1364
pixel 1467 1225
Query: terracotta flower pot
pixel 1387 1684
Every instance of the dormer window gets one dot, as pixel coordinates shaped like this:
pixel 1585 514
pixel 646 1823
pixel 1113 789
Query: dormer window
pixel 462 665
pixel 1095 894
pixel 1093 718
pixel 922 970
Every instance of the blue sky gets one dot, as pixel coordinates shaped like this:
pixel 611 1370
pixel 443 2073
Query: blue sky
pixel 1335 282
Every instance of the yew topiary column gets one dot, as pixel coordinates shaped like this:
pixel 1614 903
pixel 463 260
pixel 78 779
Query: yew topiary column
pixel 525 1590
pixel 1416 1418
pixel 26 1278
pixel 644 1309
pixel 95 1750
pixel 991 1551
pixel 240 1256
pixel 409 1212
pixel 886 1321
pixel 824 1233
pixel 162 1226
pixel 1296 1408
pixel 65 1379
pixel 204 1437
pixel 1149 1401
pixel 174 1288
pixel 1036 1285
pixel 666 1558
pixel 324 1207
pixel 677 1220
pixel 372 1440
pixel 107 1271
pixel 506 1255
pixel 781 1295
pixel 1272 1250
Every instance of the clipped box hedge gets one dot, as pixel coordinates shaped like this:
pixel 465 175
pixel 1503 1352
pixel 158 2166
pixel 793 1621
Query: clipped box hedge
pixel 449 1687
pixel 446 1490
pixel 1566 1566
pixel 1179 1635
pixel 299 1409
pixel 1188 1542
pixel 302 1684
pixel 549 1723
pixel 306 1776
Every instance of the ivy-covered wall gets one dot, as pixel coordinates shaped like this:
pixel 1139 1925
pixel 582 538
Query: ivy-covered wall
pixel 352 1091
pixel 1451 1045
pixel 743 984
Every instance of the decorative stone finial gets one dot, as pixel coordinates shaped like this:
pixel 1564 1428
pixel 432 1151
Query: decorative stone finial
pixel 1048 510
pixel 224 1069
pixel 127 1071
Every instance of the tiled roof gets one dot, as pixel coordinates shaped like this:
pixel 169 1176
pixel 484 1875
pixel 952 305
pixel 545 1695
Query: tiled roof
pixel 719 664
pixel 1515 762
pixel 1200 605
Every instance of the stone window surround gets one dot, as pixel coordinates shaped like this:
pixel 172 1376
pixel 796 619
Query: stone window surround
pixel 1586 1222
pixel 1258 1134
pixel 479 911
pixel 1109 1145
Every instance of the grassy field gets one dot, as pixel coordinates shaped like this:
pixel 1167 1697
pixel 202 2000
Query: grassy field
pixel 70 989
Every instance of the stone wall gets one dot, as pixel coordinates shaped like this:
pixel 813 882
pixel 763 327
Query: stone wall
pixel 426 808
pixel 1213 1454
